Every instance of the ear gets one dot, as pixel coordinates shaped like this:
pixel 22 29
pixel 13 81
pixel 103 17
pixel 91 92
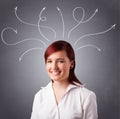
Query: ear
pixel 72 64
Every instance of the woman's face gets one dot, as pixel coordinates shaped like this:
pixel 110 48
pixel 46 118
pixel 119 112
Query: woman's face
pixel 58 66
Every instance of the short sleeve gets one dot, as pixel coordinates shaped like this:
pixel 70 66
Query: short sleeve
pixel 90 107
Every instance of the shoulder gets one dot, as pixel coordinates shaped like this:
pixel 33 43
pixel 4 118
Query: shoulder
pixel 42 93
pixel 86 91
pixel 87 96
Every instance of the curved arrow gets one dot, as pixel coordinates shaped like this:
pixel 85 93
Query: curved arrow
pixel 14 30
pixel 93 34
pixel 89 45
pixel 27 51
pixel 63 24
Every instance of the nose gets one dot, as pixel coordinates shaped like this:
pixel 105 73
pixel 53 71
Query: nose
pixel 54 66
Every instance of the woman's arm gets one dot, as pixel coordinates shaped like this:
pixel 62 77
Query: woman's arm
pixel 34 114
pixel 90 107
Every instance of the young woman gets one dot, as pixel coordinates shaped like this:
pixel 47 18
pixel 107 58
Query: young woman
pixel 64 97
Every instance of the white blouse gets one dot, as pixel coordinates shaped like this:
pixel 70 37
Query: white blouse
pixel 77 103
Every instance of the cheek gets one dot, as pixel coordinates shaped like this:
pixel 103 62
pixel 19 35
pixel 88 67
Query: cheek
pixel 47 67
pixel 66 68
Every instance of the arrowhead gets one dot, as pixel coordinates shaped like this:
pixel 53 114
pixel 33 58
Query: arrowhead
pixel 44 8
pixel 58 8
pixel 96 10
pixel 15 31
pixel 16 8
pixel 113 26
pixel 20 59
pixel 99 49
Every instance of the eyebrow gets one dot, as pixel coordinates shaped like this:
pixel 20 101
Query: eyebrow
pixel 57 59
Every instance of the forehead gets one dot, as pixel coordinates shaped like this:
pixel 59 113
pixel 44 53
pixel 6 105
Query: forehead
pixel 58 54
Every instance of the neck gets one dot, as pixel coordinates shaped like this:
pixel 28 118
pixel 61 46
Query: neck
pixel 60 84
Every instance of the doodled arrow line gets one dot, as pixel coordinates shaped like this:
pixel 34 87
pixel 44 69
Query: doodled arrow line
pixel 73 14
pixel 47 27
pixel 82 19
pixel 21 19
pixel 89 45
pixel 85 21
pixel 63 24
pixel 34 25
pixel 29 50
pixel 28 39
pixel 39 29
pixel 40 19
pixel 93 34
pixel 83 15
pixel 7 28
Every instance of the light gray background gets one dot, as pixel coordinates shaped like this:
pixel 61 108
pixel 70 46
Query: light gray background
pixel 99 71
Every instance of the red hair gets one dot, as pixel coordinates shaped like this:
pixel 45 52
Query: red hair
pixel 63 46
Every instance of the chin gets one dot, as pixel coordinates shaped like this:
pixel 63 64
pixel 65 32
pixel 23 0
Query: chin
pixel 54 79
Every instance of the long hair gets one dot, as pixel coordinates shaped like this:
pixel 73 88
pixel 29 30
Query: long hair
pixel 63 46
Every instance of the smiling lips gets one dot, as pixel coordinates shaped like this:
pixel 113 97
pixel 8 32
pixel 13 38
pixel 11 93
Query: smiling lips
pixel 56 72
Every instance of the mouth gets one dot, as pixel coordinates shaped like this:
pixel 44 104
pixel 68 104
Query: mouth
pixel 55 73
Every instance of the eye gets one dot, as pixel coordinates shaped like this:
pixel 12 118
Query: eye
pixel 61 61
pixel 49 61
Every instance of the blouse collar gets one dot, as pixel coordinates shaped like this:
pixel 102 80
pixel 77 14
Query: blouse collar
pixel 70 86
